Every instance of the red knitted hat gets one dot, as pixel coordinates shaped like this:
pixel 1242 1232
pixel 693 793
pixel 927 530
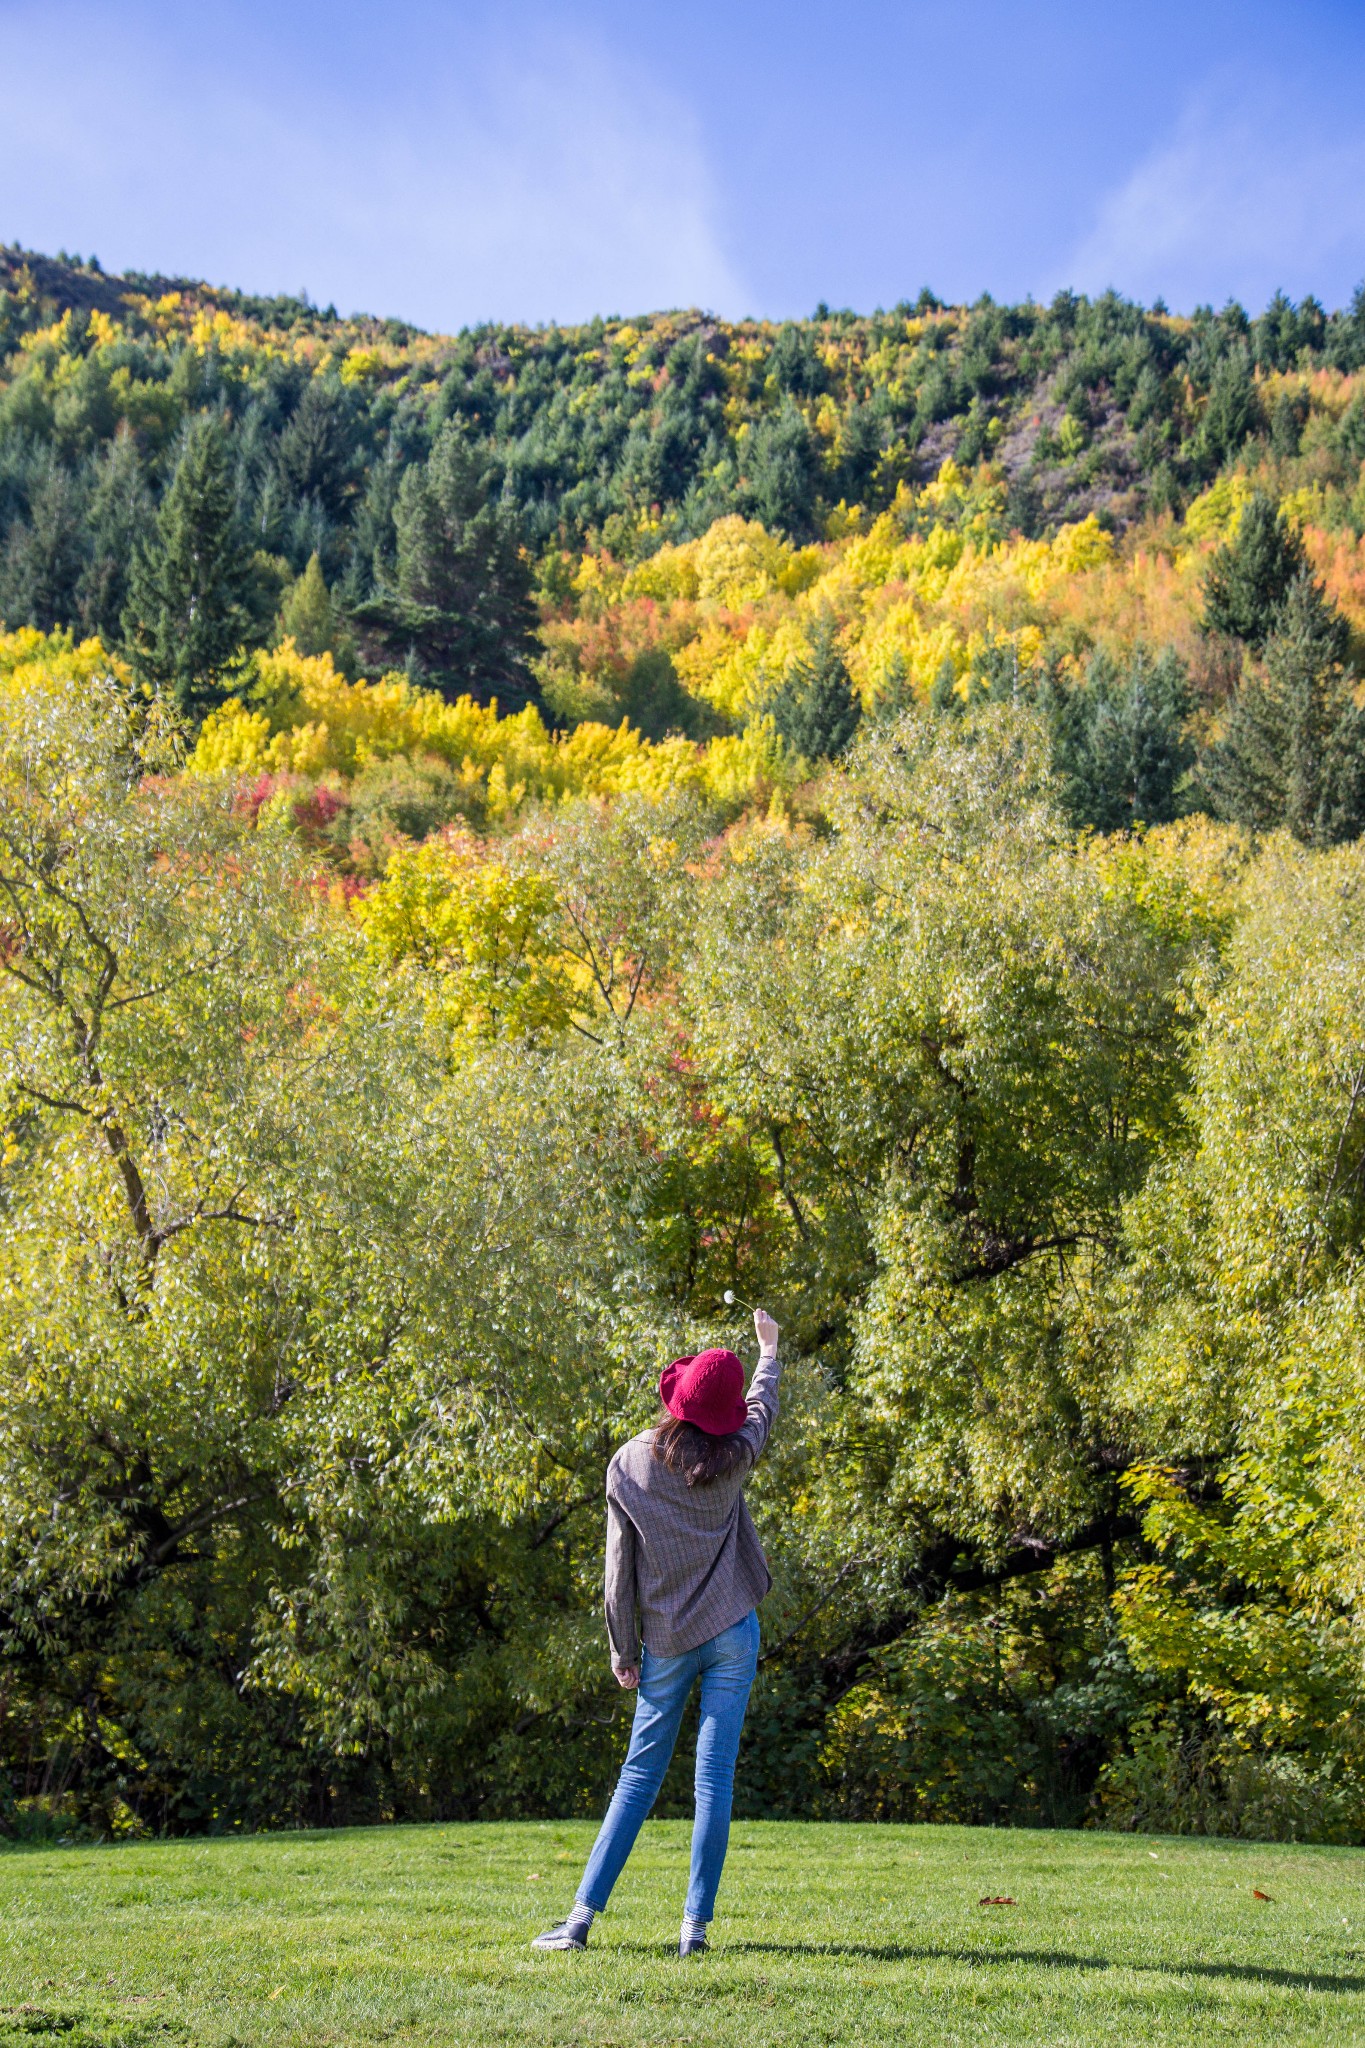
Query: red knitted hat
pixel 707 1389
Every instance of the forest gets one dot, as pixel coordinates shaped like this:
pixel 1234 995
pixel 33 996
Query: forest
pixel 505 837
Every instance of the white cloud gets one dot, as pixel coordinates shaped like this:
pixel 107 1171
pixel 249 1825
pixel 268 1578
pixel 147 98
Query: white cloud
pixel 1253 190
pixel 552 182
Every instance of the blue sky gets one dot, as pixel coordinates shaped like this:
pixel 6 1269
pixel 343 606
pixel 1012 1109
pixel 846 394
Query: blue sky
pixel 450 163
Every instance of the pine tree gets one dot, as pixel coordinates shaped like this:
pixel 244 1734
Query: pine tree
pixel 120 515
pixel 859 451
pixel 310 616
pixel 1292 750
pixel 1119 745
pixel 1232 411
pixel 1249 578
pixel 816 710
pixel 1159 753
pixel 1346 334
pixel 189 609
pixel 795 363
pixel 316 447
pixel 458 609
pixel 44 554
pixel 781 472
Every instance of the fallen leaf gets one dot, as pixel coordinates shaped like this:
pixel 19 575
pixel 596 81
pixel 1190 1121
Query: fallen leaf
pixel 1262 1895
pixel 533 1877
pixel 276 1993
pixel 997 1902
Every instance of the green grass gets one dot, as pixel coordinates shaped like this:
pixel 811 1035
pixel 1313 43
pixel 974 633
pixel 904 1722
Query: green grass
pixel 825 1934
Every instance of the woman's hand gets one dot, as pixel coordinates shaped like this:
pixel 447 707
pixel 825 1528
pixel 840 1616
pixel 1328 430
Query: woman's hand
pixel 627 1675
pixel 767 1330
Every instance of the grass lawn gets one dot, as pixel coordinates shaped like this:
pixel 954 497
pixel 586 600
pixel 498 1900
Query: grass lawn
pixel 825 1934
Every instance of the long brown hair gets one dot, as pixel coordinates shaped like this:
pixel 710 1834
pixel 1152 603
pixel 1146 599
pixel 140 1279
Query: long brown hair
pixel 700 1457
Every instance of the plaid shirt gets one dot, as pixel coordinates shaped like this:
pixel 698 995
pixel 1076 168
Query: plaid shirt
pixel 686 1559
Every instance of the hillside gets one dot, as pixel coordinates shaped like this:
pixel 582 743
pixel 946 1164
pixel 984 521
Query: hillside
pixel 696 525
pixel 629 433
pixel 675 418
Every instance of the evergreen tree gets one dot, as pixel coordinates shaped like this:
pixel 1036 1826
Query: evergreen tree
pixel 191 587
pixel 1250 576
pixel 780 473
pixel 1231 412
pixel 1292 750
pixel 458 609
pixel 44 554
pixel 1287 422
pixel 816 711
pixel 665 447
pixel 859 451
pixel 310 616
pixel 1345 340
pixel 121 513
pixel 1119 745
pixel 306 614
pixel 316 447
pixel 1159 754
pixel 1284 329
pixel 795 364
pixel 371 563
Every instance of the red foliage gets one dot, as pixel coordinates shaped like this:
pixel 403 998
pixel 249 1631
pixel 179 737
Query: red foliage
pixel 251 796
pixel 327 882
pixel 315 809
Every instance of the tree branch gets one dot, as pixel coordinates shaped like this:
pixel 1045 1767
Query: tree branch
pixel 949 1566
pixel 775 1649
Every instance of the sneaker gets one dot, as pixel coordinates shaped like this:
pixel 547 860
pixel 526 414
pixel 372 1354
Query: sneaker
pixel 562 1936
pixel 694 1945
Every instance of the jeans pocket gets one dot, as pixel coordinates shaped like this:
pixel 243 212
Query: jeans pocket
pixel 738 1644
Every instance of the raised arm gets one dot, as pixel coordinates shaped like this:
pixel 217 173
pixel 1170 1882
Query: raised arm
pixel 761 1400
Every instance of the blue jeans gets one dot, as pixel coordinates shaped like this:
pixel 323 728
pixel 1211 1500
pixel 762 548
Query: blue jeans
pixel 726 1667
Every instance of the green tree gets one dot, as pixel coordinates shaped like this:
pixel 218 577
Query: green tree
pixel 816 710
pixel 859 452
pixel 1250 575
pixel 795 364
pixel 1346 334
pixel 1119 743
pixel 311 617
pixel 44 554
pixel 317 446
pixel 1243 1300
pixel 1292 749
pixel 458 609
pixel 1284 329
pixel 121 512
pixel 951 1134
pixel 190 608
pixel 1231 412
pixel 780 472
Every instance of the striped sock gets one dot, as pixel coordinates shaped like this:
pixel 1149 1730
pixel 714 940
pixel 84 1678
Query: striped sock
pixel 580 1919
pixel 693 1930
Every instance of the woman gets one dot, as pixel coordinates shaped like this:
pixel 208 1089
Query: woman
pixel 683 1555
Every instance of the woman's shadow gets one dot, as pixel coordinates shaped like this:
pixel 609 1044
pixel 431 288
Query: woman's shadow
pixel 1045 1958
